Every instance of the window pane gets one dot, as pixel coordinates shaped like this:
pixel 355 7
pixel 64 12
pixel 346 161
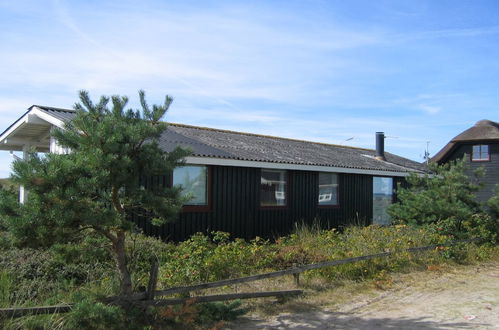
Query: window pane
pixel 273 188
pixel 480 152
pixel 484 152
pixel 476 152
pixel 382 199
pixel 193 182
pixel 328 189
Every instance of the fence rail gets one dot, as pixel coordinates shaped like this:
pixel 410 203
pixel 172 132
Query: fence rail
pixel 147 298
pixel 297 269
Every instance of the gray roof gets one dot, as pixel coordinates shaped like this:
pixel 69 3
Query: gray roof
pixel 224 144
pixel 209 142
pixel 483 130
pixel 61 114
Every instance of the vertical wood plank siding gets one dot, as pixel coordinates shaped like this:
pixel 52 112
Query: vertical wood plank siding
pixel 491 167
pixel 236 206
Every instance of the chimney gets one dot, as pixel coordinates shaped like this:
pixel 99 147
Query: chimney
pixel 380 145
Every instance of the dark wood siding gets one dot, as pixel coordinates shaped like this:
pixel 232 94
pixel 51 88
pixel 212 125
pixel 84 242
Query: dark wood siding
pixel 491 167
pixel 235 205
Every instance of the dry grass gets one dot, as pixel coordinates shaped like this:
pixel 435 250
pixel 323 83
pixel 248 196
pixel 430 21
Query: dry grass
pixel 452 296
pixel 347 295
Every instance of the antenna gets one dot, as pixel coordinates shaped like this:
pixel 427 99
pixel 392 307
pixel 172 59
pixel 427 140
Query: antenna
pixel 427 153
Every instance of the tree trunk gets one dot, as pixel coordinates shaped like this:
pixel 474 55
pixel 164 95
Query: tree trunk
pixel 122 263
pixel 119 248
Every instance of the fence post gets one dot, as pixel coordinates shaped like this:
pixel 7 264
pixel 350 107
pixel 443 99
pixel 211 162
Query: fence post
pixel 297 278
pixel 153 280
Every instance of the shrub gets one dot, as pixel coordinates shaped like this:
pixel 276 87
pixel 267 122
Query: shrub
pixel 204 259
pixel 321 245
pixel 44 274
pixel 445 200
pixel 91 315
pixel 206 314
pixel 220 311
pixel 143 251
pixel 492 226
pixel 5 288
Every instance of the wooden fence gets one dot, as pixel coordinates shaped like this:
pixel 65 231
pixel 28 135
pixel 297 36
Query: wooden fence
pixel 148 298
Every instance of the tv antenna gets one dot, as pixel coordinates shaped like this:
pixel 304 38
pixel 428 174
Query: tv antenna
pixel 427 153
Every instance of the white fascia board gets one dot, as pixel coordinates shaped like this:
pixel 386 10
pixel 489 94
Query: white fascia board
pixel 33 116
pixel 19 123
pixel 282 166
pixel 20 142
pixel 48 118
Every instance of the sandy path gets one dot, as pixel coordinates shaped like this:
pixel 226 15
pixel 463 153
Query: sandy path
pixel 467 298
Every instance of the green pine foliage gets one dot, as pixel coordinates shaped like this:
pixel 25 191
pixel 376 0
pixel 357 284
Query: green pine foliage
pixel 220 311
pixel 493 213
pixel 91 315
pixel 445 202
pixel 97 185
pixel 493 204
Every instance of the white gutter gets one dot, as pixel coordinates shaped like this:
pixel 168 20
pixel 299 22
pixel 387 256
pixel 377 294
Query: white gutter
pixel 284 166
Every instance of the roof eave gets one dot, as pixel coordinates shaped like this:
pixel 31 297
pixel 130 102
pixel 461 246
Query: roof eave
pixel 202 160
pixel 15 137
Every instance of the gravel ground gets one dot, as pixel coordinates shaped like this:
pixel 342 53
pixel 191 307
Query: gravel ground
pixel 464 298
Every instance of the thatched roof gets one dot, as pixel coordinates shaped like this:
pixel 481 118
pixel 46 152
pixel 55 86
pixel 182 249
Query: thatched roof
pixel 483 130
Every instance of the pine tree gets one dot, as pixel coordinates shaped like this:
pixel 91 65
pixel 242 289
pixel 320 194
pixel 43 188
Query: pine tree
pixel 97 184
pixel 444 199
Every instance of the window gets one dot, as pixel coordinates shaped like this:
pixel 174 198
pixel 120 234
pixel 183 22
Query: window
pixel 273 186
pixel 480 152
pixel 193 180
pixel 328 189
pixel 382 199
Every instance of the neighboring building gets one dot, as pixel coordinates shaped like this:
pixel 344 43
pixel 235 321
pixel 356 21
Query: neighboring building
pixel 253 185
pixel 479 145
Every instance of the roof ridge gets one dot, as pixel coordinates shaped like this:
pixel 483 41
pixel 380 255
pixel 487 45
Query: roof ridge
pixel 51 108
pixel 266 136
pixel 486 122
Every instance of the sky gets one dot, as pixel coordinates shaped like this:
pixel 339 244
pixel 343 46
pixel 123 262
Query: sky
pixel 327 71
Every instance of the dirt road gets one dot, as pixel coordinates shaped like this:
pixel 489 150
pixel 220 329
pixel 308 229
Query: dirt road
pixel 460 298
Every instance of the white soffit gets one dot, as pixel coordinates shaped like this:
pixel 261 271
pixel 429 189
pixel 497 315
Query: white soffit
pixel 35 117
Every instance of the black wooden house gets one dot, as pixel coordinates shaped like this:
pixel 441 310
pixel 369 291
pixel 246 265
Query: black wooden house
pixel 479 145
pixel 253 185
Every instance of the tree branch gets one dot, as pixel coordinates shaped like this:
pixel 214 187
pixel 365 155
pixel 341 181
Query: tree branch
pixel 106 233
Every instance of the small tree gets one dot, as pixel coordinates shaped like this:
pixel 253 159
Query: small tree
pixel 97 185
pixel 493 211
pixel 445 199
pixel 493 203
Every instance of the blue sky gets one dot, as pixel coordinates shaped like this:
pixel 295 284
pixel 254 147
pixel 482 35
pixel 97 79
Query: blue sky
pixel 316 70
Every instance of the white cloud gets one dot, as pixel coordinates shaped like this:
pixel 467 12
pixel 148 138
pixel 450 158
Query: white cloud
pixel 242 66
pixel 430 109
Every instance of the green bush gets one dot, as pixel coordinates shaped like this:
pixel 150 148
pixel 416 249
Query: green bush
pixel 44 274
pixel 83 271
pixel 219 311
pixel 444 200
pixel 204 259
pixel 188 315
pixel 143 251
pixel 492 226
pixel 5 288
pixel 91 315
pixel 315 245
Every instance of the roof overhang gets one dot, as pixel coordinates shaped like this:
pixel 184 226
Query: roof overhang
pixel 285 166
pixel 31 129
